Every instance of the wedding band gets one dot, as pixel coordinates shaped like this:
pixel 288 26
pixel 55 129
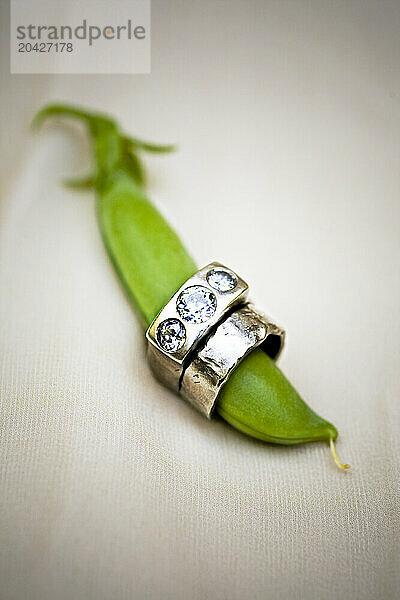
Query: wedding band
pixel 188 317
pixel 239 334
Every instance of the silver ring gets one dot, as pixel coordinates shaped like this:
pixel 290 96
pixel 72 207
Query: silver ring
pixel 198 306
pixel 241 332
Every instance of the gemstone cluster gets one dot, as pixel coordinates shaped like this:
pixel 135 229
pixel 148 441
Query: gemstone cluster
pixel 196 304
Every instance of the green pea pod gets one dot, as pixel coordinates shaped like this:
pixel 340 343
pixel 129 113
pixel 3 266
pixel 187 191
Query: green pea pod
pixel 152 264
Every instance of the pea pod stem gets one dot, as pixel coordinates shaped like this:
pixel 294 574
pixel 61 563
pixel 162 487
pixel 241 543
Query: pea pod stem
pixel 335 456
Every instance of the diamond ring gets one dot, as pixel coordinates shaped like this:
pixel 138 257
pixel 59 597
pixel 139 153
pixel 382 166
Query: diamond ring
pixel 199 304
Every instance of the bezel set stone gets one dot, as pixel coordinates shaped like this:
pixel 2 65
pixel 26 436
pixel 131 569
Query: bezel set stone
pixel 222 280
pixel 171 335
pixel 196 304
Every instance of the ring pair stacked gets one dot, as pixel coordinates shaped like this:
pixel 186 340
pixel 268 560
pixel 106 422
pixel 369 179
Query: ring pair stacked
pixel 204 331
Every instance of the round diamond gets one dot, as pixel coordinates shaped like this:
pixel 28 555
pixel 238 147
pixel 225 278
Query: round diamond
pixel 171 335
pixel 196 304
pixel 221 280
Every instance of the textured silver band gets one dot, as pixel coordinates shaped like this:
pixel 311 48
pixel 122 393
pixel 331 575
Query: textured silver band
pixel 239 334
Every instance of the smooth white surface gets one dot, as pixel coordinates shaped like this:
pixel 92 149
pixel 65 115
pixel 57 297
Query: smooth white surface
pixel 111 486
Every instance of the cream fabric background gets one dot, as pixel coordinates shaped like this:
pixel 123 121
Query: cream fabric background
pixel 287 119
